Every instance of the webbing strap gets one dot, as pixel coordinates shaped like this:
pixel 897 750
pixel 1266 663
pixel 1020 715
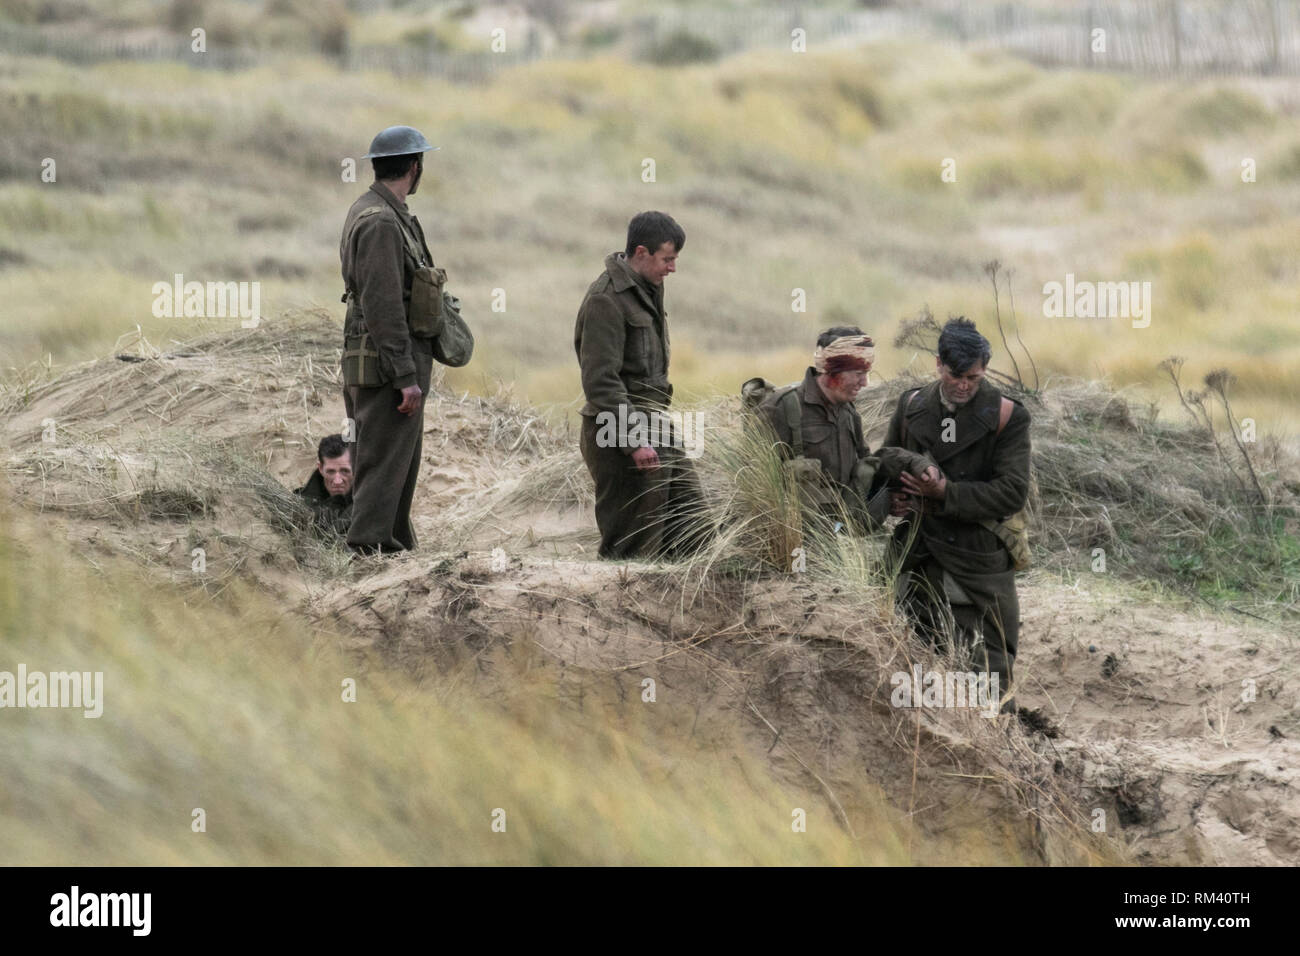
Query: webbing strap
pixel 412 244
pixel 361 353
pixel 1004 415
pixel 408 239
pixel 793 418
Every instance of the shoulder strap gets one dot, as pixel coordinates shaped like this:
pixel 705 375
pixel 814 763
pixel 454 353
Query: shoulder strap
pixel 789 402
pixel 1014 539
pixel 1004 415
pixel 412 244
pixel 408 238
pixel 902 432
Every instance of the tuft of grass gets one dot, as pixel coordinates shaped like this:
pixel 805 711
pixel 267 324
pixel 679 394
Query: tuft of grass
pixel 1068 103
pixel 757 504
pixel 681 47
pixel 1162 501
pixel 1031 171
pixel 1186 273
pixel 1172 167
pixel 1221 111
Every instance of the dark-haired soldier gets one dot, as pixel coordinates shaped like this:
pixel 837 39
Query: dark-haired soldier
pixel 329 489
pixel 648 501
pixel 957 574
pixel 820 430
pixel 397 321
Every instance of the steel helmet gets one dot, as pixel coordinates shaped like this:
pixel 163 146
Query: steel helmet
pixel 398 141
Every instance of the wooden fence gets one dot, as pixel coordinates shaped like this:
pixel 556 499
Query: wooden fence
pixel 1152 36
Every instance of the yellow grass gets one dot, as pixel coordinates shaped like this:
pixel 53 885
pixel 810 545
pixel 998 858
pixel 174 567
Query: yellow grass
pixel 819 172
pixel 236 709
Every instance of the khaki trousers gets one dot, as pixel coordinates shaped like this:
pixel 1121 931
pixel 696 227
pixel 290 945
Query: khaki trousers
pixel 386 460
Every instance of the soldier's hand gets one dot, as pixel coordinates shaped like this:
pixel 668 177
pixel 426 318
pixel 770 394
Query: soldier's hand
pixel 931 484
pixel 411 398
pixel 646 458
pixel 900 504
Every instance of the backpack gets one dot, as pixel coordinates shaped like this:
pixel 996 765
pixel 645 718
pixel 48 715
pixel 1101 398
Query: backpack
pixel 756 391
pixel 1013 532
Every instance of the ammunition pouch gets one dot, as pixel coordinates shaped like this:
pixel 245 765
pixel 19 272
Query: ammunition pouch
pixel 811 480
pixel 425 314
pixel 360 363
pixel 804 469
pixel 1013 532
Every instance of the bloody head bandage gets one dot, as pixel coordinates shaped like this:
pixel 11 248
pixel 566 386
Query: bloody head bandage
pixel 848 353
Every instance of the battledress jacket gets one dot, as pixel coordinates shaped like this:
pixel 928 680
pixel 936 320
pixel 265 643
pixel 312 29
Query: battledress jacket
pixel 621 337
pixel 987 478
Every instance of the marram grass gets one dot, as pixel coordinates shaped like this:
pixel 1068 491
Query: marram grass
pixel 237 709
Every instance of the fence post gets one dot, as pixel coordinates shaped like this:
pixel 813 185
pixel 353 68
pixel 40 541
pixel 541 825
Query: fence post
pixel 1087 39
pixel 1176 30
pixel 1275 28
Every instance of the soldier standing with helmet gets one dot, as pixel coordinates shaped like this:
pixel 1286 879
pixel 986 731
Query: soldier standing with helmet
pixel 398 320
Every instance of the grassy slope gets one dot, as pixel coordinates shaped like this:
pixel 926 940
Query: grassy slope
pixel 237 709
pixel 816 171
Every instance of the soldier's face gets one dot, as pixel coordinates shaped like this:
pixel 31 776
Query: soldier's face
pixel 958 389
pixel 844 386
pixel 655 267
pixel 337 473
pixel 419 171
